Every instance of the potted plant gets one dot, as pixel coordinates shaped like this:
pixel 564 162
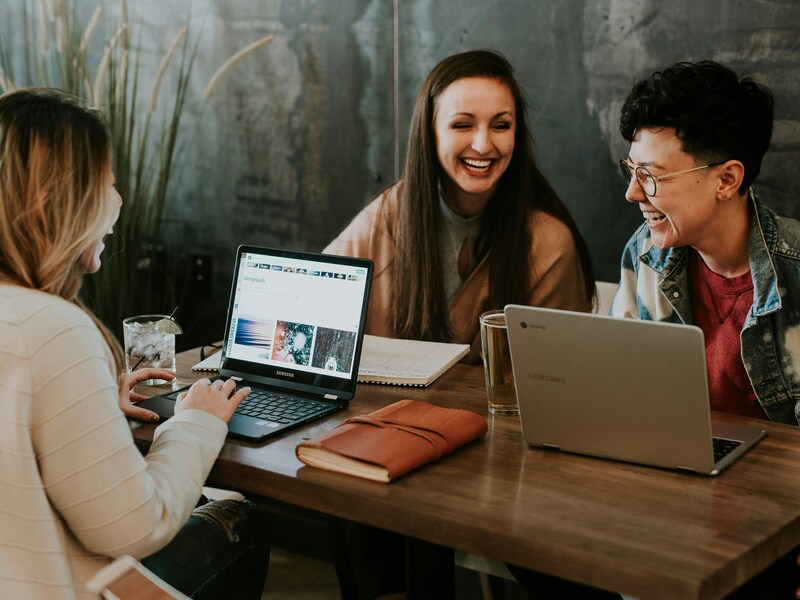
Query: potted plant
pixel 145 125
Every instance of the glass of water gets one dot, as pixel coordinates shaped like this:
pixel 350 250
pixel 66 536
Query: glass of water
pixel 497 364
pixel 150 342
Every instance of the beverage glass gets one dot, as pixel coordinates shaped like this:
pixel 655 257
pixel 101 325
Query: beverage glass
pixel 497 364
pixel 149 343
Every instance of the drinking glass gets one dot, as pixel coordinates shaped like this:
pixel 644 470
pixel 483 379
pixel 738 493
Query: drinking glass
pixel 150 342
pixel 497 364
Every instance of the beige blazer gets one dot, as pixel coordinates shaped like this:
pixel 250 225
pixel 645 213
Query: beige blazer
pixel 556 275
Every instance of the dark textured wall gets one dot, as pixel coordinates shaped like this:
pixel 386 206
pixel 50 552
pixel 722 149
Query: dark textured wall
pixel 305 132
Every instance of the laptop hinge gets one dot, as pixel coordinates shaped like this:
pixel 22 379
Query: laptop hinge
pixel 331 397
pixel 550 446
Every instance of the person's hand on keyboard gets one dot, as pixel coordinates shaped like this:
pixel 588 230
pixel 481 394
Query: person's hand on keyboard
pixel 128 398
pixel 214 398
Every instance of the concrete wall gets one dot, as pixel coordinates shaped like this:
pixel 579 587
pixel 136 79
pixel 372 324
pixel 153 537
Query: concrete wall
pixel 305 132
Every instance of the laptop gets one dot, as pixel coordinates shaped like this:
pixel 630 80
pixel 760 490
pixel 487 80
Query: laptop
pixel 623 389
pixel 294 332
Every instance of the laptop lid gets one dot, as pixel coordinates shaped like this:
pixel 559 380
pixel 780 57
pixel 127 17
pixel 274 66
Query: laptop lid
pixel 296 321
pixel 625 389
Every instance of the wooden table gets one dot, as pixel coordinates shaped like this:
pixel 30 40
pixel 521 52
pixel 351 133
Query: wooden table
pixel 644 532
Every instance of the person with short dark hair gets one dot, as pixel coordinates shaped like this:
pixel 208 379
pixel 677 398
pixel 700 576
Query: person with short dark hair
pixel 709 253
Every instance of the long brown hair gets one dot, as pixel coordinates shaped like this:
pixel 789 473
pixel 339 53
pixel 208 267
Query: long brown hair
pixel 55 161
pixel 420 311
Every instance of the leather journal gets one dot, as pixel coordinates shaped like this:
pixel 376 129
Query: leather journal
pixel 391 441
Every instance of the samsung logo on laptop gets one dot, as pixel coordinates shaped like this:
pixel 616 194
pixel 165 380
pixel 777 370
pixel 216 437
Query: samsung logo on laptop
pixel 284 373
pixel 547 378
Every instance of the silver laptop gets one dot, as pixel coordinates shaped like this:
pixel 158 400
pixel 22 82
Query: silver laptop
pixel 294 333
pixel 624 389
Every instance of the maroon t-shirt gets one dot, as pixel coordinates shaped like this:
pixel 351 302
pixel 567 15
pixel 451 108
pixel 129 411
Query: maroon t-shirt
pixel 720 306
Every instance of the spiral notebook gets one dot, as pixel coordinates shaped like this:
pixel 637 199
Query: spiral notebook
pixel 210 363
pixel 406 362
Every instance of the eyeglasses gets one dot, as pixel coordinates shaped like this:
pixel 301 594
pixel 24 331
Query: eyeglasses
pixel 647 181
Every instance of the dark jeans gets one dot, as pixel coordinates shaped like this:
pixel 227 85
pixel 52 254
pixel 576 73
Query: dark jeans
pixel 220 553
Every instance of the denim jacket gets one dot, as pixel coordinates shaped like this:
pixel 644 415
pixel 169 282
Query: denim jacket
pixel 654 285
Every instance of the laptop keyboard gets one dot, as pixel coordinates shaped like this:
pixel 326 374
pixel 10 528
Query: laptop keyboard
pixel 278 408
pixel 723 447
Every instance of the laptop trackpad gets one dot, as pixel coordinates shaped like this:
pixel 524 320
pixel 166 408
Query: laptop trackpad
pixel 162 406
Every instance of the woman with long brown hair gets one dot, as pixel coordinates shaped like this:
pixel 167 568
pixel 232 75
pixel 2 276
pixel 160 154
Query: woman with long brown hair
pixel 473 225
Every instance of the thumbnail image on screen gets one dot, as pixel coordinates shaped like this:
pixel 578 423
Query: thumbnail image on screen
pixel 333 350
pixel 293 342
pixel 255 333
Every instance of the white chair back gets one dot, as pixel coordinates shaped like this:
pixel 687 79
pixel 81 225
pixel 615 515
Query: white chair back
pixel 605 295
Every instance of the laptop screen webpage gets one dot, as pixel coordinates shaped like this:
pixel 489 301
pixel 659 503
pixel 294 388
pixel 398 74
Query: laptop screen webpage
pixel 297 316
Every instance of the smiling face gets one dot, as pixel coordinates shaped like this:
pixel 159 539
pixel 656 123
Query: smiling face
pixel 684 209
pixel 91 257
pixel 474 125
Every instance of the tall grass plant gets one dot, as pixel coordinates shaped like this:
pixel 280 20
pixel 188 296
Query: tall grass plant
pixel 55 47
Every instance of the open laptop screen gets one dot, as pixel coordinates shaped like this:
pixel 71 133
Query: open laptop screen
pixel 296 317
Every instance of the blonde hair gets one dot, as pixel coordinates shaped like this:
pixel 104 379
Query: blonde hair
pixel 55 161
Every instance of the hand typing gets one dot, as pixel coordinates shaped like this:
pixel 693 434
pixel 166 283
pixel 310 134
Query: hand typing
pixel 214 398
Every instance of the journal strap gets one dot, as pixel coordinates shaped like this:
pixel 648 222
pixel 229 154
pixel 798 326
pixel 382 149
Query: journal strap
pixel 440 443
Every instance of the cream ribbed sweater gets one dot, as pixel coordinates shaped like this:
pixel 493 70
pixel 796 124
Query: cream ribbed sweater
pixel 74 489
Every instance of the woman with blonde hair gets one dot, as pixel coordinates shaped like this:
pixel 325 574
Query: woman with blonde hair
pixel 76 491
